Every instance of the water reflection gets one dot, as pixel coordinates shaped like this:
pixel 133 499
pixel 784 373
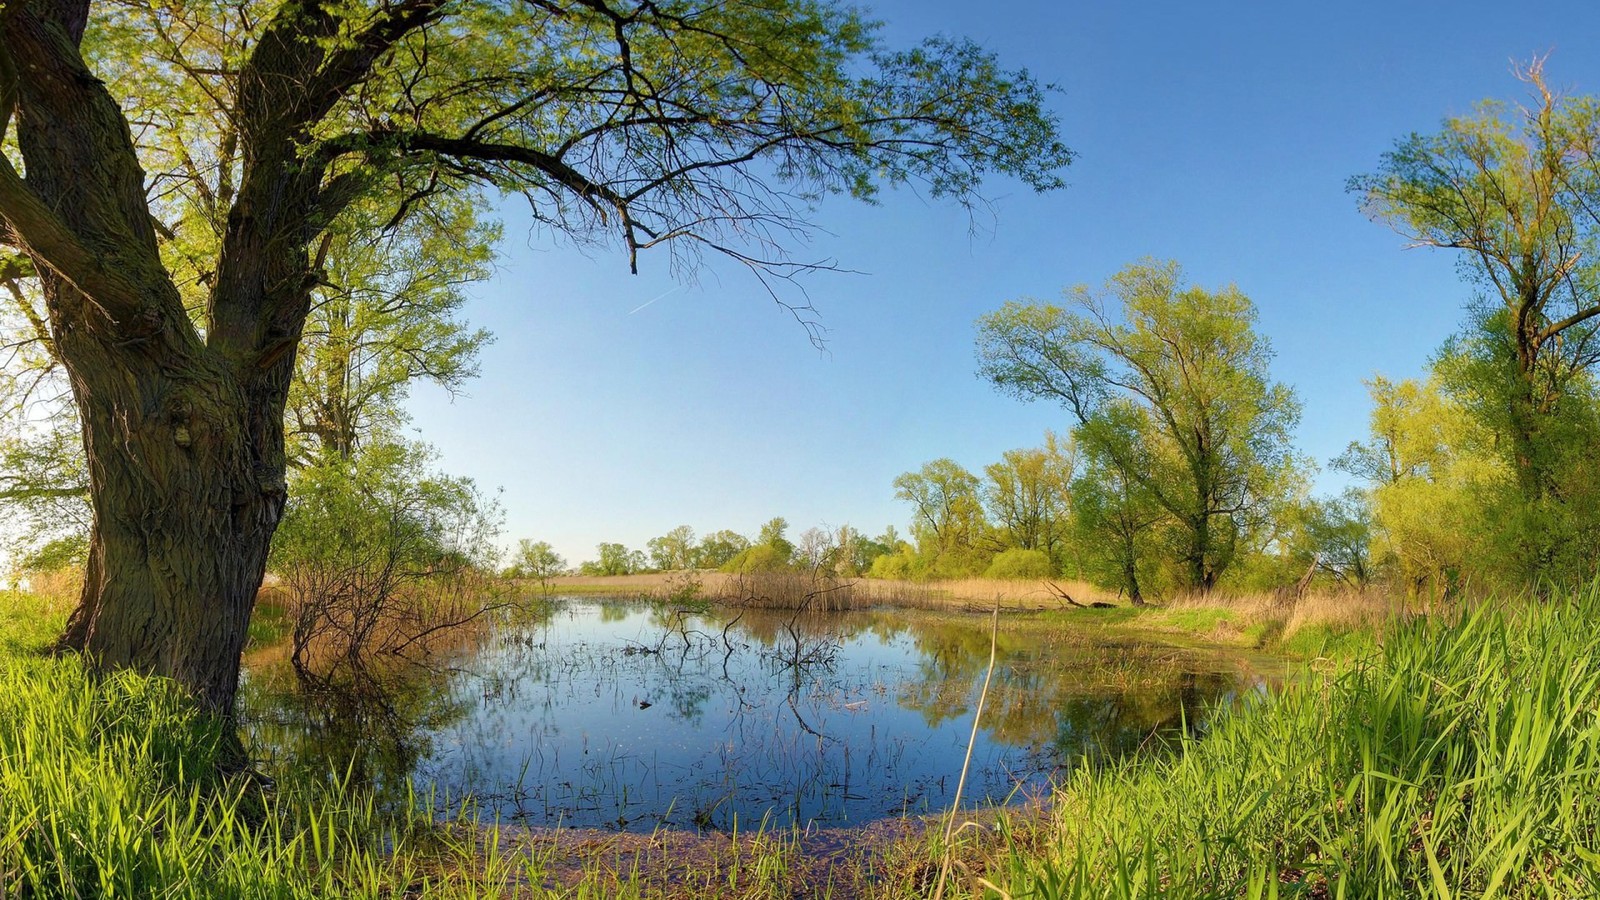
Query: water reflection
pixel 625 715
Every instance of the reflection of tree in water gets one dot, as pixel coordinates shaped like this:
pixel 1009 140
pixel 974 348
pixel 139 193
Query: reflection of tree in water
pixel 1058 690
pixel 365 724
pixel 367 718
pixel 1053 687
pixel 795 741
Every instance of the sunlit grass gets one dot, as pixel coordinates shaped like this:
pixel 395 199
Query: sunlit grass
pixel 1458 760
pixel 109 789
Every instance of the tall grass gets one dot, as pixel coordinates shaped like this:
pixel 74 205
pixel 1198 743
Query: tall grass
pixel 109 789
pixel 1324 622
pixel 1459 760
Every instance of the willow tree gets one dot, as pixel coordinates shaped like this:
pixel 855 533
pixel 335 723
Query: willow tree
pixel 1168 387
pixel 1515 191
pixel 696 126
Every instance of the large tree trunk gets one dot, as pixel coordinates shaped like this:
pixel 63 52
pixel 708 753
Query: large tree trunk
pixel 186 474
pixel 183 433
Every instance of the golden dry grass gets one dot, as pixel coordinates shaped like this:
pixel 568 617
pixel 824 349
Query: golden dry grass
pixel 1338 610
pixel 58 589
pixel 780 588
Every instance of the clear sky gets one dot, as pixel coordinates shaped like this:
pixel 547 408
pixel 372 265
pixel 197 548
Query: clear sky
pixel 1218 134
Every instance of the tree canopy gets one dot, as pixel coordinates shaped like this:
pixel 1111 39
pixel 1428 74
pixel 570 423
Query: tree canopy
pixel 174 176
pixel 1169 385
pixel 1516 190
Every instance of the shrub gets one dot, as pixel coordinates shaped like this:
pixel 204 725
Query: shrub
pixel 760 558
pixel 1019 563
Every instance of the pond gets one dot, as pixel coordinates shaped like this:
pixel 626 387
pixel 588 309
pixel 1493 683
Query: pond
pixel 628 715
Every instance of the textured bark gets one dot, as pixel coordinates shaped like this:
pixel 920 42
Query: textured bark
pixel 183 437
pixel 187 488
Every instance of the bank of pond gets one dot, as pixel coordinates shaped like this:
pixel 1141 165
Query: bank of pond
pixel 778 753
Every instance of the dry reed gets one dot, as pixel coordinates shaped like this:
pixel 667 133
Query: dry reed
pixel 974 594
pixel 1339 610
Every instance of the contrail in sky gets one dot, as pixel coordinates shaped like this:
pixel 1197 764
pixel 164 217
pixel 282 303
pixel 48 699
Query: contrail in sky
pixel 654 299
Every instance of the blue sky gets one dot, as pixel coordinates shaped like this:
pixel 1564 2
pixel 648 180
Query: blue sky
pixel 1217 134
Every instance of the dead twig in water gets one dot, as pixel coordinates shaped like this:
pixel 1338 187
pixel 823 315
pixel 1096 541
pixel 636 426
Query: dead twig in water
pixel 961 783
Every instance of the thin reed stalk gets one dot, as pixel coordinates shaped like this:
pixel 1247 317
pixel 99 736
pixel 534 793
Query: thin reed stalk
pixel 966 762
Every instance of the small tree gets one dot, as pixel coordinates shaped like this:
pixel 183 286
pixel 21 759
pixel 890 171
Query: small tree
pixel 1337 532
pixel 536 560
pixel 613 559
pixel 771 552
pixel 1027 498
pixel 947 522
pixel 674 550
pixel 718 547
pixel 379 551
pixel 1433 478
pixel 816 549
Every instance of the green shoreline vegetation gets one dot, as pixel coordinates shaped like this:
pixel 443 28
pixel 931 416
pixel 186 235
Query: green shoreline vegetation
pixel 1453 758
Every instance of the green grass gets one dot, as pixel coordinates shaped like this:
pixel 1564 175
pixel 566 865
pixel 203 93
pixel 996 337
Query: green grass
pixel 108 789
pixel 1457 760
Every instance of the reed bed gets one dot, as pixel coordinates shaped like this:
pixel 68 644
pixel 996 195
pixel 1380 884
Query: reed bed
pixel 1457 760
pixel 786 590
pixel 1313 624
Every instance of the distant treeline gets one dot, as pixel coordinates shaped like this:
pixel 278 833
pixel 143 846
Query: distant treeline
pixel 1178 474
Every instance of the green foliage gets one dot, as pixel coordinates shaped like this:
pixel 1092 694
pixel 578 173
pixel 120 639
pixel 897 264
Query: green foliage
pixel 108 789
pixel 854 552
pixel 1456 760
pixel 1019 563
pixel 535 559
pixel 775 104
pixel 947 523
pixel 772 551
pixel 44 492
pixel 674 550
pixel 773 535
pixel 1115 520
pixel 760 558
pixel 1027 497
pixel 718 547
pixel 1434 478
pixel 385 316
pixel 900 565
pixel 378 548
pixel 384 509
pixel 1543 521
pixel 1517 190
pixel 1337 532
pixel 613 559
pixel 1169 385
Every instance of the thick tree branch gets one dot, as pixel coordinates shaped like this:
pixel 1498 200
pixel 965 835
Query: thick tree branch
pixel 49 240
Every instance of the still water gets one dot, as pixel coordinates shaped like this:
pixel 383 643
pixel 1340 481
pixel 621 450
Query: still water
pixel 633 716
